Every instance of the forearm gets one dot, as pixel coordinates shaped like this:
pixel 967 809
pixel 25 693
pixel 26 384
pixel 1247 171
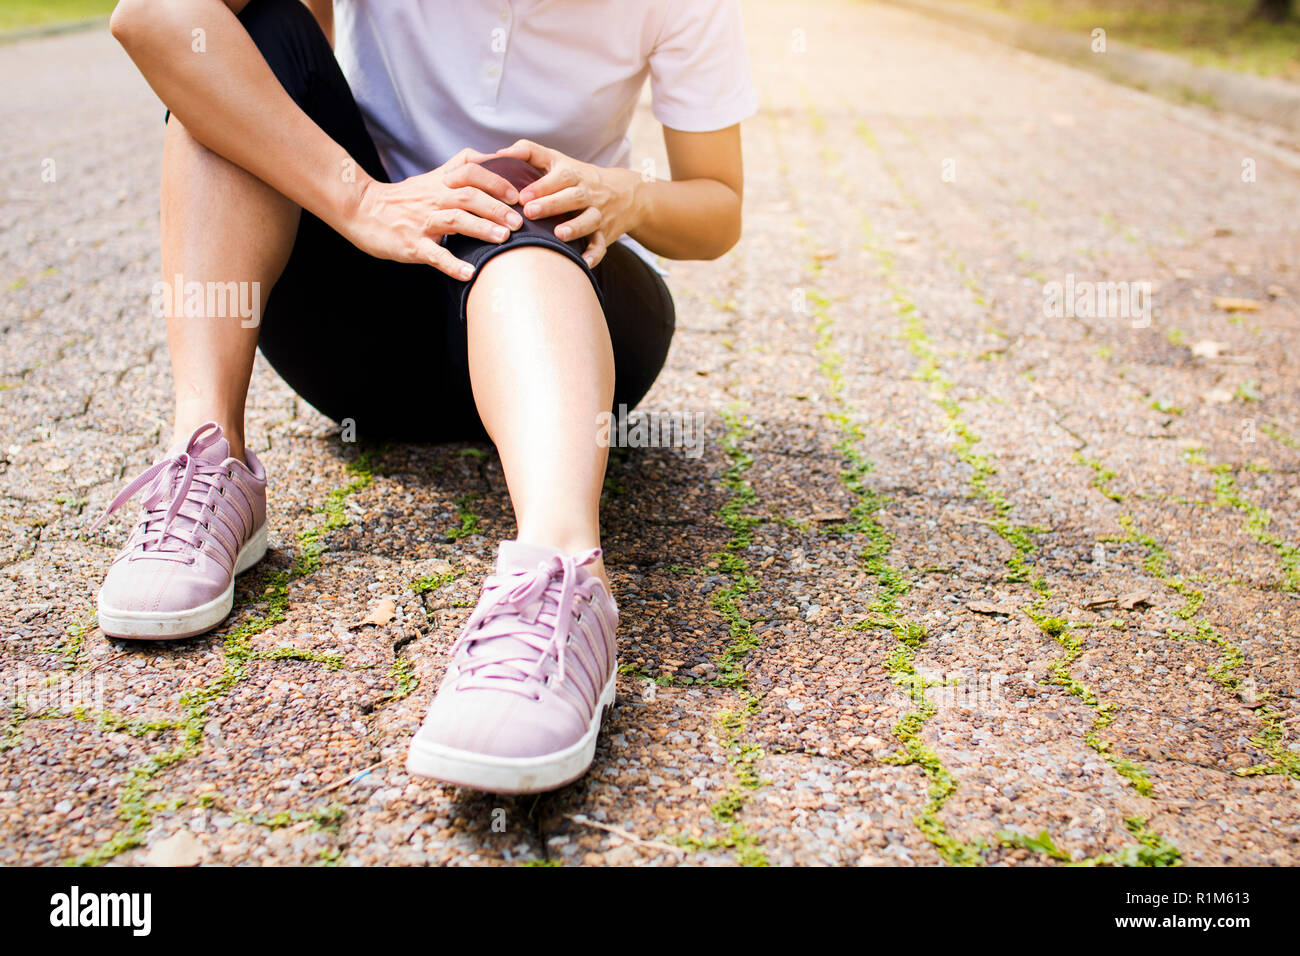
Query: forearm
pixel 231 102
pixel 687 219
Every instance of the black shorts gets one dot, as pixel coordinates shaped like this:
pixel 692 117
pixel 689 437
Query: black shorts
pixel 383 343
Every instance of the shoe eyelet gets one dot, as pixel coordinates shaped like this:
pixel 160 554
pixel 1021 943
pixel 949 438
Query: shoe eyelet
pixel 222 491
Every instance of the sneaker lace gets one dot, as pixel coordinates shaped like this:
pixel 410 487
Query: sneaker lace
pixel 522 620
pixel 169 484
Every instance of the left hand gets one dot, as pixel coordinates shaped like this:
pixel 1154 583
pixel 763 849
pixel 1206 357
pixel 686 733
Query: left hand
pixel 606 200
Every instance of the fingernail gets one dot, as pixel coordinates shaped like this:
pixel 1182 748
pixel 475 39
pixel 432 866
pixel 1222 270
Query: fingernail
pixel 466 271
pixel 499 233
pixel 587 259
pixel 531 210
pixel 562 232
pixel 514 219
pixel 512 196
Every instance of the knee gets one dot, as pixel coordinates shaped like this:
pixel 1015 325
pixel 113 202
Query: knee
pixel 516 171
pixel 530 280
pixel 520 266
pixel 134 20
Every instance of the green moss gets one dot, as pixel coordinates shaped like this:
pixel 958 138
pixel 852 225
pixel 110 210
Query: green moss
pixel 1277 434
pixel 433 582
pixel 468 521
pixel 1272 738
pixel 742 754
pixel 892 583
pixel 637 673
pixel 1257 525
pixel 71 646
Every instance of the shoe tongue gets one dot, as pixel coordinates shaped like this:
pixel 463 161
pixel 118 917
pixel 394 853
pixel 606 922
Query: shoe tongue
pixel 512 558
pixel 216 453
pixel 516 556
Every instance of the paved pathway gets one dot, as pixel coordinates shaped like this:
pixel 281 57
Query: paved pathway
pixel 953 580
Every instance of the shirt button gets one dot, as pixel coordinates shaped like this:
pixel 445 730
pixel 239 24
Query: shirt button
pixel 492 71
pixel 505 15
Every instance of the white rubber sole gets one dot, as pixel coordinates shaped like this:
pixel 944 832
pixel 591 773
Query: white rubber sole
pixel 511 774
pixel 170 625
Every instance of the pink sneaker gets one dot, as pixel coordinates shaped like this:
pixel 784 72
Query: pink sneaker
pixel 530 678
pixel 204 522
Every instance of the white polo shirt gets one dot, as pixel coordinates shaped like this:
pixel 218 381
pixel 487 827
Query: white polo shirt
pixel 434 76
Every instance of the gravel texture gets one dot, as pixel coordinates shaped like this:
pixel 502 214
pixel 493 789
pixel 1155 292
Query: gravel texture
pixel 953 580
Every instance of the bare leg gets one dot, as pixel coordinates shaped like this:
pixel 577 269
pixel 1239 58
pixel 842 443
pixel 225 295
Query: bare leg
pixel 542 369
pixel 219 224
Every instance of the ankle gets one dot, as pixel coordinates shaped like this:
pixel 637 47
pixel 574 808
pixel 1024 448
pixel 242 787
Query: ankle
pixel 571 543
pixel 186 425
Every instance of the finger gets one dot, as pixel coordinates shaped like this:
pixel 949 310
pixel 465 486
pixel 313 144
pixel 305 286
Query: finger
pixel 472 174
pixel 435 254
pixel 466 155
pixel 557 178
pixel 572 199
pixel 465 224
pixel 472 199
pixel 583 224
pixel 596 249
pixel 529 152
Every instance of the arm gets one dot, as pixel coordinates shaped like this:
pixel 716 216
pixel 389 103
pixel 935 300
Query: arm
pixel 695 215
pixel 230 101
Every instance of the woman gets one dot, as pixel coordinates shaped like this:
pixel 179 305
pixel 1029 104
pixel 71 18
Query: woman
pixel 440 235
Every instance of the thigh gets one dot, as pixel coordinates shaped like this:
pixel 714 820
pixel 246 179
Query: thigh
pixel 641 317
pixel 369 340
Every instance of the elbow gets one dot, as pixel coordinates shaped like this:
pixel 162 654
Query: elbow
pixel 728 237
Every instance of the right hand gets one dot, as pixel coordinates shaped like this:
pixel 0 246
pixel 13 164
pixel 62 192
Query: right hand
pixel 405 221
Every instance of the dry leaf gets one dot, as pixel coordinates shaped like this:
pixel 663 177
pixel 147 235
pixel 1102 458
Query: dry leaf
pixel 1104 600
pixel 988 607
pixel 58 464
pixel 1277 292
pixel 1208 348
pixel 179 849
pixel 829 516
pixel 382 613
pixel 1229 304
pixel 1134 599
pixel 1218 396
